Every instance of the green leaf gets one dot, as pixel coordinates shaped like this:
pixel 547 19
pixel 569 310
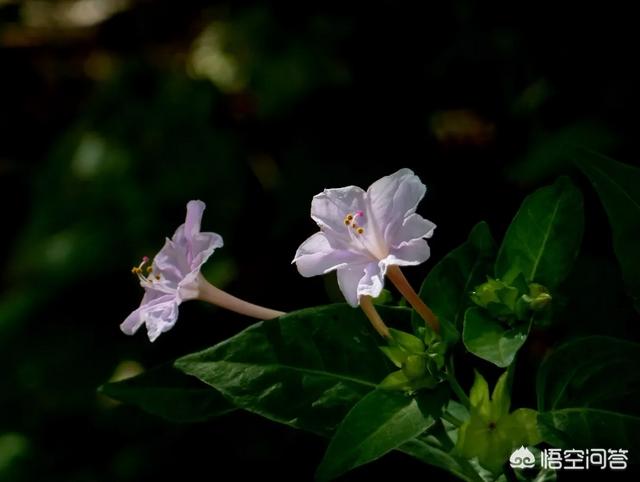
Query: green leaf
pixel 490 340
pixel 430 450
pixel 305 369
pixel 170 394
pixel 618 186
pixel 407 341
pixel 590 428
pixel 544 237
pixel 593 372
pixel 377 424
pixel 397 380
pixel 394 353
pixel 447 288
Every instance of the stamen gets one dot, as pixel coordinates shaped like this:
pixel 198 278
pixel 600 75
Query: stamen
pixel 360 230
pixel 137 270
pixel 347 222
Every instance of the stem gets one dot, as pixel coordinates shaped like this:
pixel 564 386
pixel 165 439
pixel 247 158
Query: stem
pixel 374 317
pixel 455 386
pixel 453 420
pixel 215 296
pixel 397 278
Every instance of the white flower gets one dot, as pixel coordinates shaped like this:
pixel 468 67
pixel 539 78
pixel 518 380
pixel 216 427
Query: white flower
pixel 363 233
pixel 174 276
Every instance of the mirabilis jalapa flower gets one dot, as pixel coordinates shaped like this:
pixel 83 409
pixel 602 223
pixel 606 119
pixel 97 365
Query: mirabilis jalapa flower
pixel 174 276
pixel 365 235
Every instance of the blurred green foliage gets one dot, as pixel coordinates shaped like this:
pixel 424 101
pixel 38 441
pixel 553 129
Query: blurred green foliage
pixel 108 128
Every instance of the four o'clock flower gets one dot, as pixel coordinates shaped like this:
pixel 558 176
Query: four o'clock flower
pixel 174 276
pixel 365 235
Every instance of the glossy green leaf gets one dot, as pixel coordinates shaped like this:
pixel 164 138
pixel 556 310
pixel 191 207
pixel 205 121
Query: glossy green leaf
pixel 618 186
pixel 305 369
pixel 544 237
pixel 447 287
pixel 490 340
pixel 593 372
pixel 170 394
pixel 590 428
pixel 377 424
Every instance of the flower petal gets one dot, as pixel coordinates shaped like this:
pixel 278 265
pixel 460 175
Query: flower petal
pixel 348 280
pixel 393 198
pixel 372 282
pixel 194 218
pixel 152 302
pixel 329 208
pixel 361 279
pixel 316 256
pixel 171 262
pixel 202 247
pixel 410 253
pixel 413 227
pixel 161 317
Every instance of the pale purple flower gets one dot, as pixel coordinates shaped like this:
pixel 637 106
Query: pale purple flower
pixel 363 233
pixel 174 275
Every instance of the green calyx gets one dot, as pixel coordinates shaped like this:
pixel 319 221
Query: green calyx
pixel 511 302
pixel 492 432
pixel 420 361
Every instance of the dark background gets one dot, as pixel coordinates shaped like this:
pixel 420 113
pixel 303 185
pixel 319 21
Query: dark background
pixel 114 113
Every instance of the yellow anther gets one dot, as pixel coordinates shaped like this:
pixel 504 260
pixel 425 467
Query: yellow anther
pixel 349 217
pixel 360 230
pixel 347 222
pixel 134 270
pixel 158 277
pixel 149 269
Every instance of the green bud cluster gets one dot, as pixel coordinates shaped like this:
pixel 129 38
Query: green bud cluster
pixel 420 360
pixel 511 302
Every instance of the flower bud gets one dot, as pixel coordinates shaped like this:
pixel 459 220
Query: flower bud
pixel 414 367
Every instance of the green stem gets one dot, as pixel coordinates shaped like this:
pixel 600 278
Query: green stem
pixel 455 386
pixel 452 419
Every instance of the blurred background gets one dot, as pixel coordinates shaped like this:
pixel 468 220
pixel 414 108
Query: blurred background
pixel 115 113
